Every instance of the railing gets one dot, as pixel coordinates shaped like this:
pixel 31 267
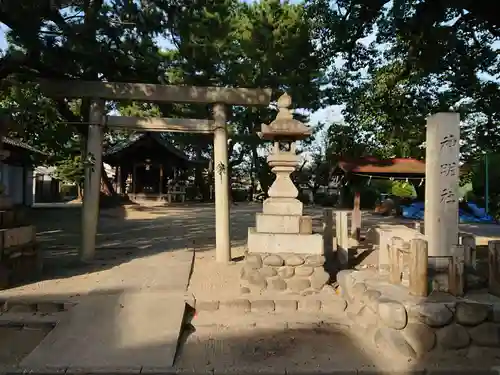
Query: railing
pixel 410 260
pixel 494 267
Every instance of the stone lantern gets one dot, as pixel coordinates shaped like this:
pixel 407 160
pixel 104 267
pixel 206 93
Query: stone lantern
pixel 282 242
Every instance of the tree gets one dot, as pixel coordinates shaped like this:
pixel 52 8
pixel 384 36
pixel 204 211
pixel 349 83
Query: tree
pixel 55 40
pixel 224 43
pixel 229 43
pixel 399 61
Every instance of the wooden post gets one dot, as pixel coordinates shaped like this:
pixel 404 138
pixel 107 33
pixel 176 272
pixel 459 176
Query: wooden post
pixel 383 251
pixel 222 232
pixel 134 174
pixel 118 178
pixel 418 226
pixel 90 214
pixel 356 218
pixel 342 236
pixel 160 188
pixel 469 243
pixel 456 272
pixel 394 260
pixel 418 268
pixel 328 230
pixel 494 267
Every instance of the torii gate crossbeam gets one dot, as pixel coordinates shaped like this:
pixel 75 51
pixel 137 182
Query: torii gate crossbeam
pixel 98 92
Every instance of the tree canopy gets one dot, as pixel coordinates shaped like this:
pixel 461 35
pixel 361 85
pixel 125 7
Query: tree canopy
pixel 389 64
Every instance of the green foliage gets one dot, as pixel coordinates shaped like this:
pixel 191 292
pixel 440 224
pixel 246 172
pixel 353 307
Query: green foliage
pixel 71 170
pixel 389 63
pixel 396 62
pixel 403 189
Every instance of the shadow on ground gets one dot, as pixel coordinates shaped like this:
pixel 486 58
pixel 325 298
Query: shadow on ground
pixel 124 235
pixel 319 347
pixel 128 233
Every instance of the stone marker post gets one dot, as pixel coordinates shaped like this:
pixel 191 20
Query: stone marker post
pixel 442 182
pixel 356 217
pixel 342 237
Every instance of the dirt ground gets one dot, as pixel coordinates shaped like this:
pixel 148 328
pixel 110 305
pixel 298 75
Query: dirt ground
pixel 131 233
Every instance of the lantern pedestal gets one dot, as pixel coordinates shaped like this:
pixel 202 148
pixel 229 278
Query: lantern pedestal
pixel 283 252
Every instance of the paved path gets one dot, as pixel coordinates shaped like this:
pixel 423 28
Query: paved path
pixel 130 318
pixel 122 331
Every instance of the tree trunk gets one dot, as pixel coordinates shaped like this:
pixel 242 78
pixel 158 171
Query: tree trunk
pixel 264 185
pixel 79 192
pixel 199 182
pixel 106 183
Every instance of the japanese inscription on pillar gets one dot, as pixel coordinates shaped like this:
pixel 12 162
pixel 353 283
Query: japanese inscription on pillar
pixel 448 169
pixel 442 182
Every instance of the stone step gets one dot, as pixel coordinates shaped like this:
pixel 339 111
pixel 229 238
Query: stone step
pixel 22 319
pixel 32 306
pixel 268 320
pixel 286 304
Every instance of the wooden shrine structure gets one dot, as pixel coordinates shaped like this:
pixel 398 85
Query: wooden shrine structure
pixel 98 92
pixel 370 166
pixel 148 167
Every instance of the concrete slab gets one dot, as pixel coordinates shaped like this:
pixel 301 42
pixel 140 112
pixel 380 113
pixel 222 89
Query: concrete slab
pixel 127 330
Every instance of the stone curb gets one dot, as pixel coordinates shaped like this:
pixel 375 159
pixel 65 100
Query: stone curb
pixel 273 305
pixel 244 371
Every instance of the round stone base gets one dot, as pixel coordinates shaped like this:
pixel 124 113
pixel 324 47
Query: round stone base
pixel 413 326
pixel 284 272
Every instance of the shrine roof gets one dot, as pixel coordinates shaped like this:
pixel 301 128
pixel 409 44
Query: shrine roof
pixel 19 144
pixel 387 167
pixel 157 137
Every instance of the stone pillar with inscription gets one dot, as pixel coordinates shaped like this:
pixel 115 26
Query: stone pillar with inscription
pixel 442 183
pixel 283 252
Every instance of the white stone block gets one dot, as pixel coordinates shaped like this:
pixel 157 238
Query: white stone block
pixel 282 206
pixel 283 224
pixel 284 243
pixel 18 236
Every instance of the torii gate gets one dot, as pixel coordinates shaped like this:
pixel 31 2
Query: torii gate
pixel 99 92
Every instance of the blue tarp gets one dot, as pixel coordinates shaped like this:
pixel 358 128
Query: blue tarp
pixel 477 214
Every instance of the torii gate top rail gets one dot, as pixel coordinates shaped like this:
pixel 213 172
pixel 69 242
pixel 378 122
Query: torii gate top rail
pixel 155 93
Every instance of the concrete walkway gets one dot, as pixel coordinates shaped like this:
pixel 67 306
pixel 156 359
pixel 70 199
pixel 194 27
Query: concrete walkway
pixel 128 311
pixel 122 331
pixel 131 318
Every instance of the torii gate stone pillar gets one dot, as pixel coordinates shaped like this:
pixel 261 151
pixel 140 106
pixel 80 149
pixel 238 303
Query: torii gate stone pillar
pixel 221 182
pixel 92 183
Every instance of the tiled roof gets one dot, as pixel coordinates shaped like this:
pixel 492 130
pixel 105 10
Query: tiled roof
pixel 20 144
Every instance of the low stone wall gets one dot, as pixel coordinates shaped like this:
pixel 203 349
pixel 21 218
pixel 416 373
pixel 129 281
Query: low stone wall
pixel 283 272
pixel 20 258
pixel 415 326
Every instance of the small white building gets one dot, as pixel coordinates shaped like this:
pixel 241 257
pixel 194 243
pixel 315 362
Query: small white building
pixel 16 171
